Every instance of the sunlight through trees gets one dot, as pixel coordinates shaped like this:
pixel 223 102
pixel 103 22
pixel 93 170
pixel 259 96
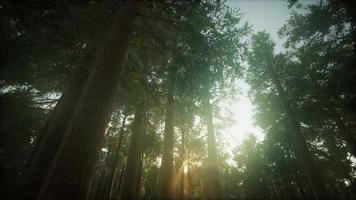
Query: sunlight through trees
pixel 139 99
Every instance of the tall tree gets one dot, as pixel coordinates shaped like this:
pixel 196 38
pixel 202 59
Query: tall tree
pixel 83 138
pixel 262 56
pixel 132 172
pixel 327 53
pixel 166 180
pixel 54 133
pixel 212 186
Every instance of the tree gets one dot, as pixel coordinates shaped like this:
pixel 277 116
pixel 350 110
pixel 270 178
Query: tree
pixel 133 171
pixel 54 133
pixel 212 187
pixel 95 103
pixel 166 187
pixel 327 55
pixel 262 57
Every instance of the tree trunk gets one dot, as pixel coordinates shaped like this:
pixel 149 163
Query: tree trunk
pixel 313 173
pixel 119 185
pixel 181 182
pixel 181 188
pixel 54 133
pixel 190 188
pixel 138 177
pixel 73 167
pixel 212 184
pixel 115 160
pixel 111 162
pixel 166 187
pixel 129 189
pixel 97 190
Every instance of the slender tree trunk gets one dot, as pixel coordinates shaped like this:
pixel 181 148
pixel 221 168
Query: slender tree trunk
pixel 111 162
pixel 129 189
pixel 212 184
pixel 190 181
pixel 314 174
pixel 181 183
pixel 72 170
pixel 99 188
pixel 110 165
pixel 105 185
pixel 115 160
pixel 119 186
pixel 138 177
pixel 181 189
pixel 166 187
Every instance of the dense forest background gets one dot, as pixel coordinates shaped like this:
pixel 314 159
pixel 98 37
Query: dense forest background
pixel 120 100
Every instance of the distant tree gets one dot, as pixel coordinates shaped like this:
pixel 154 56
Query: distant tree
pixel 132 169
pixel 166 183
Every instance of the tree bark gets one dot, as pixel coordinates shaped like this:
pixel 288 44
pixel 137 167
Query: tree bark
pixel 129 189
pixel 54 132
pixel 114 161
pixel 313 173
pixel 212 188
pixel 73 167
pixel 166 187
pixel 138 176
pixel 119 185
pixel 106 182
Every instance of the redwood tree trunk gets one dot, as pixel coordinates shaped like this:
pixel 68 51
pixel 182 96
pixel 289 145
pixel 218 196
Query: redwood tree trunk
pixel 138 177
pixel 114 161
pixel 129 189
pixel 166 187
pixel 73 167
pixel 212 188
pixel 54 132
pixel 314 174
pixel 107 177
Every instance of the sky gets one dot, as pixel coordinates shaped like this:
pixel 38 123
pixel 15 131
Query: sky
pixel 268 15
